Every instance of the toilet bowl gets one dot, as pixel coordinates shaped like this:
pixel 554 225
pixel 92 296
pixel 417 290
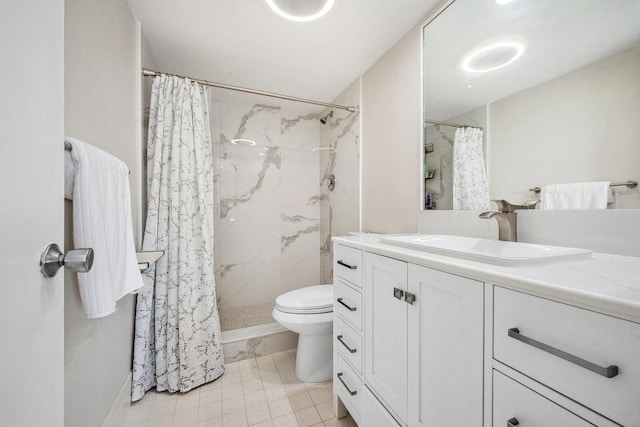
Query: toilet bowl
pixel 309 312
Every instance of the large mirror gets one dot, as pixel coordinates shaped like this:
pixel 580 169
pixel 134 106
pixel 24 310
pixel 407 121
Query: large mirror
pixel 552 86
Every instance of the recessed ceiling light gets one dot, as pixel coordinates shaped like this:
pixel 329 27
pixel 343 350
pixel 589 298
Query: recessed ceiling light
pixel 501 2
pixel 301 11
pixel 243 141
pixel 493 56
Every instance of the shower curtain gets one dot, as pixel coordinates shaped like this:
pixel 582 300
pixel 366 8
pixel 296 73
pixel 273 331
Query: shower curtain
pixel 470 190
pixel 177 343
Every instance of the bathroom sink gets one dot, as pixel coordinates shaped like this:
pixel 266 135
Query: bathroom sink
pixel 485 250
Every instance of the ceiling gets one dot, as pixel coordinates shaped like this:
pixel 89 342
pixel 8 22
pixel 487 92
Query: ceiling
pixel 244 43
pixel 559 37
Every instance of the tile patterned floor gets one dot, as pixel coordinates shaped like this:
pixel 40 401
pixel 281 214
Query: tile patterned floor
pixel 260 392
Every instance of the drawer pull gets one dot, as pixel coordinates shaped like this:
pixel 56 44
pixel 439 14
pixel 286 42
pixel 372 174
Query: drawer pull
pixel 344 264
pixel 350 308
pixel 513 422
pixel 352 393
pixel 351 350
pixel 398 293
pixel 609 371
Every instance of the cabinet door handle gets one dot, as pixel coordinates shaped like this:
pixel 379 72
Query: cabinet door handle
pixel 409 297
pixel 513 422
pixel 609 371
pixel 352 393
pixel 351 350
pixel 398 293
pixel 344 264
pixel 348 307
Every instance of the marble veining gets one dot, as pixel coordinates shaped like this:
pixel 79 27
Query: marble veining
pixel 274 216
pixel 271 158
pixel 340 209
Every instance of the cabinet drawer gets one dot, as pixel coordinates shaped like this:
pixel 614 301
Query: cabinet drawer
pixel 513 401
pixel 373 413
pixel 347 264
pixel 348 341
pixel 561 346
pixel 348 304
pixel 348 385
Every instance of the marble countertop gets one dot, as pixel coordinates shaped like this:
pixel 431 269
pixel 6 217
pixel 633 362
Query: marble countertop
pixel 608 284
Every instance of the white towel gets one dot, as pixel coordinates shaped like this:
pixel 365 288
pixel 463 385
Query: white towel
pixel 102 221
pixel 69 174
pixel 578 195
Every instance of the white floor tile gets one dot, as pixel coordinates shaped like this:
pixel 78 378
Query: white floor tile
pixel 300 401
pixel 185 418
pixel 137 414
pixel 235 404
pixel 236 419
pixel 210 411
pixel 288 420
pixel 308 417
pixel 258 392
pixel 280 407
pixel 258 414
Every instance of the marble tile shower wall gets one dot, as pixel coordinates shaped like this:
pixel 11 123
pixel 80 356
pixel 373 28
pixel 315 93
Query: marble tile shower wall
pixel 267 201
pixel 340 208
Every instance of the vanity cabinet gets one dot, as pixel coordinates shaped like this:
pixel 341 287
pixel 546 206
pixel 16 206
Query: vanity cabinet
pixel 591 358
pixel 423 334
pixel 423 347
pixel 347 331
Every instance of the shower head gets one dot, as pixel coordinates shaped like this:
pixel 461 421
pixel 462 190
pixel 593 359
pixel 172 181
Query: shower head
pixel 324 119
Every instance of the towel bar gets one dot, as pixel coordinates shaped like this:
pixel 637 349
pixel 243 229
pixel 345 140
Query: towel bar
pixel 67 147
pixel 630 184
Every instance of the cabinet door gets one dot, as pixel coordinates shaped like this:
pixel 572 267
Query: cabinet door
pixel 445 349
pixel 385 331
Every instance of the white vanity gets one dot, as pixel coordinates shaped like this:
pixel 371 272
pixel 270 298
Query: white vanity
pixel 425 339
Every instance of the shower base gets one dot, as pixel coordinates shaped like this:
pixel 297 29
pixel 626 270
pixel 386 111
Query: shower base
pixel 250 331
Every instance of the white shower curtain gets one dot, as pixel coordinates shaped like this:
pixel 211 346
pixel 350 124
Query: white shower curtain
pixel 177 343
pixel 470 190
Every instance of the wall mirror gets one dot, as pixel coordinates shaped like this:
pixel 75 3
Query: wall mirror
pixel 554 86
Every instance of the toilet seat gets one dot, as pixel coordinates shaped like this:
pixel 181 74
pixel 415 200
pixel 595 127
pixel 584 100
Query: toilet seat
pixel 309 300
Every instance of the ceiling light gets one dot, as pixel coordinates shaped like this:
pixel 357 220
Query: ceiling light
pixel 493 56
pixel 301 11
pixel 501 2
pixel 242 141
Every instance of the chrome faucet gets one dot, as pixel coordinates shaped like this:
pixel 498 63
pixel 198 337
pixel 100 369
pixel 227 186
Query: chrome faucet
pixel 507 219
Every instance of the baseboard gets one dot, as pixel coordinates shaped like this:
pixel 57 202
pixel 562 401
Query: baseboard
pixel 120 407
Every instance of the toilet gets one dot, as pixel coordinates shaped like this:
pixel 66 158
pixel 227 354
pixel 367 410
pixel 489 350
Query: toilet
pixel 309 312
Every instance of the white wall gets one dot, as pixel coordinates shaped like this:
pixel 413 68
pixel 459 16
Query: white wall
pixel 391 128
pixel 582 126
pixel 100 108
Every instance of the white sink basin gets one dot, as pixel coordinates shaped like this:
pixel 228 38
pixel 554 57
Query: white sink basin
pixel 485 250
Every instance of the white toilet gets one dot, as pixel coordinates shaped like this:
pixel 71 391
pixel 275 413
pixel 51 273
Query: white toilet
pixel 309 312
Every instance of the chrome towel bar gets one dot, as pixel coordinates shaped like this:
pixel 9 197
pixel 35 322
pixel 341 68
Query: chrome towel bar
pixel 630 184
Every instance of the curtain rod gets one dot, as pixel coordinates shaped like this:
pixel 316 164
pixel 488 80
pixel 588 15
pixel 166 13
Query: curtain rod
pixel 455 125
pixel 147 72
